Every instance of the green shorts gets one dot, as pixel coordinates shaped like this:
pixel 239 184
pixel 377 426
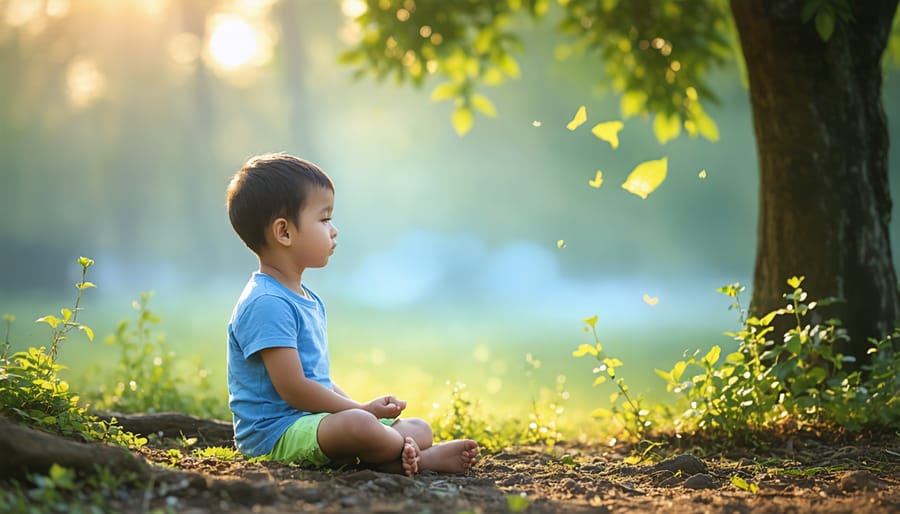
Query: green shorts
pixel 300 443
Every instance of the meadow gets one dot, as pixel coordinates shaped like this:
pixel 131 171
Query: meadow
pixel 508 369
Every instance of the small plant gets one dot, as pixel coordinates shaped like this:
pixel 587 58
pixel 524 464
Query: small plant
pixel 793 380
pixel 461 420
pixel 146 377
pixel 627 410
pixel 216 452
pixel 547 409
pixel 32 393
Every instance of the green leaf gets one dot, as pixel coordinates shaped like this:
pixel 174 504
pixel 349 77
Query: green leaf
pixel 663 375
pixel 599 380
pixel 509 66
pixel 646 177
pixel 516 502
pixel 87 331
pixel 85 285
pixel 49 319
pixel 445 91
pixel 85 262
pixel 483 105
pixel 584 349
pixel 633 102
pixel 666 127
pixel 825 23
pixel 462 120
pixel 795 281
pixel 735 358
pixel 712 357
pixel 810 9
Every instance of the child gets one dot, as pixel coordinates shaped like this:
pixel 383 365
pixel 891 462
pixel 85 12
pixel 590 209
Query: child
pixel 283 401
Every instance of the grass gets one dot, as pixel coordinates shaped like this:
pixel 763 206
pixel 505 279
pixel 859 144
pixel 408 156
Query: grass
pixel 509 370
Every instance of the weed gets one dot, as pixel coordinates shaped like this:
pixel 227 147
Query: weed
pixel 790 381
pixel 32 393
pixel 216 452
pixel 627 410
pixel 146 379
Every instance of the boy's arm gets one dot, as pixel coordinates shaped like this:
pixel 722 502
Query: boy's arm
pixel 286 372
pixel 339 391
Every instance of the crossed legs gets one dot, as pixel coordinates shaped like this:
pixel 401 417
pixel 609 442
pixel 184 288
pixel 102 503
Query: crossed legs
pixel 406 447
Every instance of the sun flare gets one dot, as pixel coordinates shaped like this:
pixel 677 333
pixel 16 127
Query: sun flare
pixel 233 42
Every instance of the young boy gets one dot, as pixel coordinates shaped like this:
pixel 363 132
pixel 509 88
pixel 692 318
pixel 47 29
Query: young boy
pixel 281 395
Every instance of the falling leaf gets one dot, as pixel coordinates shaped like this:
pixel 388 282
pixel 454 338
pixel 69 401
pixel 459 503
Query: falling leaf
pixel 579 119
pixel 536 123
pixel 651 300
pixel 666 127
pixel 608 131
pixel 646 177
pixel 462 120
pixel 597 181
pixel 561 243
pixel 702 174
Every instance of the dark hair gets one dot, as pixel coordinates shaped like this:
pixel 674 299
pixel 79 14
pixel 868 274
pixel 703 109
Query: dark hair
pixel 268 187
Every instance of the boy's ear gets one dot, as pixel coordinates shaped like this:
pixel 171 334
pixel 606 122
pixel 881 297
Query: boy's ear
pixel 280 231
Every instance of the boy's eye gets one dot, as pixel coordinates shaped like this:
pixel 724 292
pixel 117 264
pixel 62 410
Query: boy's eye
pixel 326 220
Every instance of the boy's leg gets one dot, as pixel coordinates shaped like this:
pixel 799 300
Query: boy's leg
pixel 418 429
pixel 456 456
pixel 358 433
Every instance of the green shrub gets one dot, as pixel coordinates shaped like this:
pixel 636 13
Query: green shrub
pixel 31 392
pixel 789 380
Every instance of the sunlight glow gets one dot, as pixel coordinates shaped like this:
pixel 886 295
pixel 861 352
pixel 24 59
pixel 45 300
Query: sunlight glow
pixel 233 43
pixel 20 12
pixel 85 83
pixel 353 8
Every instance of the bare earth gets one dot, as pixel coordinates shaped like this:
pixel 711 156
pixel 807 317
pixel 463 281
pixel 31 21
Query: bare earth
pixel 802 475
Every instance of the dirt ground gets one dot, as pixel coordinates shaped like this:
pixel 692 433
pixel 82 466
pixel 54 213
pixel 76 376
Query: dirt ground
pixel 800 475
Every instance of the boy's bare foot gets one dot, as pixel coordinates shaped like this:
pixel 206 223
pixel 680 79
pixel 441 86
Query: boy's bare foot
pixel 451 457
pixel 409 458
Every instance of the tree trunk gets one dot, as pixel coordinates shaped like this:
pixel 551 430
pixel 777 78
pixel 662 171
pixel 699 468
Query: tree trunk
pixel 822 142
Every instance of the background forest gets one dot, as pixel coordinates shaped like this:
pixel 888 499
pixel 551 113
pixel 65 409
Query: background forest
pixel 122 121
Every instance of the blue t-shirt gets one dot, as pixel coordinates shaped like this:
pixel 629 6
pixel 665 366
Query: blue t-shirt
pixel 269 315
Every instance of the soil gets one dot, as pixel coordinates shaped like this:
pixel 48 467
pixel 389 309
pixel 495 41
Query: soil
pixel 798 474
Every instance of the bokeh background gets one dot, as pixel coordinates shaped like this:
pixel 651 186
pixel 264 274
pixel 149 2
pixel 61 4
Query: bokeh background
pixel 122 121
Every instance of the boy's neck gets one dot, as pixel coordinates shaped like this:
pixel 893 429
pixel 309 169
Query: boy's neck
pixel 291 278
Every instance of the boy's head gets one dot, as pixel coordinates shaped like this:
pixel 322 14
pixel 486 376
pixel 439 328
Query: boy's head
pixel 268 187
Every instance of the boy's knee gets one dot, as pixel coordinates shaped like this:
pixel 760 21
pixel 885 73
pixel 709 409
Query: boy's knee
pixel 360 424
pixel 420 430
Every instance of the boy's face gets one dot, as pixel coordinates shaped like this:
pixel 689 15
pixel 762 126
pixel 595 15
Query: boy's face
pixel 315 238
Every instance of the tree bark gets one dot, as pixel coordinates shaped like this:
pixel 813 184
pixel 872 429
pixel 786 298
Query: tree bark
pixel 822 143
pixel 24 451
pixel 174 424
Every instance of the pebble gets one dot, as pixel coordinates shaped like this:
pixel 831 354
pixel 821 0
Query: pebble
pixel 686 463
pixel 700 481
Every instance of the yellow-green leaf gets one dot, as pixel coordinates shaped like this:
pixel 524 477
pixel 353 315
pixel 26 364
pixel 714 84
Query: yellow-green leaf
pixel 462 120
pixel 795 281
pixel 584 349
pixel 633 102
pixel 713 356
pixel 600 412
pixel 666 127
pixel 646 177
pixel 561 243
pixel 597 180
pixel 704 123
pixel 49 319
pixel 516 502
pixel 592 321
pixel 599 380
pixel 509 66
pixel 650 300
pixel 579 118
pixel 445 91
pixel 483 105
pixel 608 131
pixel 87 331
pixel 66 314
pixel 85 262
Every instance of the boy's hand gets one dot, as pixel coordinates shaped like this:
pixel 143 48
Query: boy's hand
pixel 385 407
